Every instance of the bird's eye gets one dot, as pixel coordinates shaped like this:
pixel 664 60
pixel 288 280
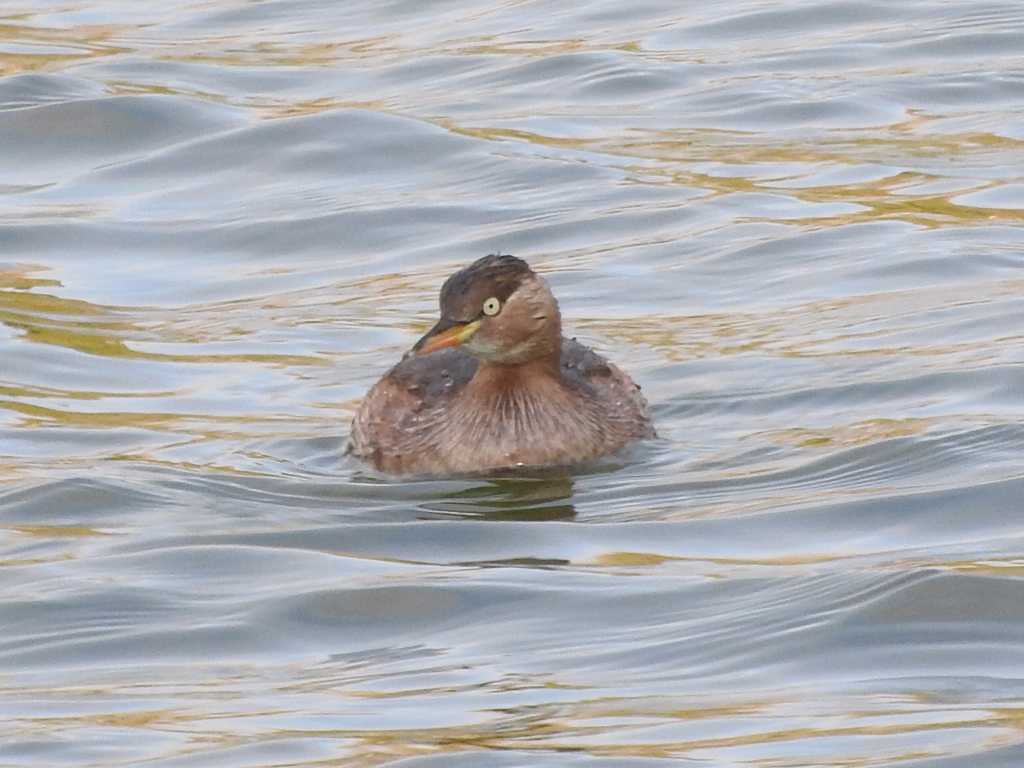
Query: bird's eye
pixel 492 306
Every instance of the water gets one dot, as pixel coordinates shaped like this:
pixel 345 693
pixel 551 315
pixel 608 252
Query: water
pixel 797 224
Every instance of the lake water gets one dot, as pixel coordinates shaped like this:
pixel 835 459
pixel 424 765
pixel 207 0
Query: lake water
pixel 799 225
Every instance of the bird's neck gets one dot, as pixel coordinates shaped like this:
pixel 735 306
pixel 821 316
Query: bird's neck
pixel 539 375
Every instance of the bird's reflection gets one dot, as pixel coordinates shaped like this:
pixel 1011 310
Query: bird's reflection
pixel 541 495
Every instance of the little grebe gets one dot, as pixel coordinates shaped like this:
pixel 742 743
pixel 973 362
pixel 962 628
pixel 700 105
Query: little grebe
pixel 494 384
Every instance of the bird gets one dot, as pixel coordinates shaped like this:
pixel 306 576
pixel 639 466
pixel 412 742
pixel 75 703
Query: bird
pixel 495 385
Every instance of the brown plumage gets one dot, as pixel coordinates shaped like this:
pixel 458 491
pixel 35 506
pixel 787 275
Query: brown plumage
pixel 494 384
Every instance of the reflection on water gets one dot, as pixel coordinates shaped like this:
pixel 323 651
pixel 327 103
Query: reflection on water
pixel 797 225
pixel 513 497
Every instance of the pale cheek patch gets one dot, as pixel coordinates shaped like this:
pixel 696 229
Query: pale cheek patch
pixel 488 350
pixel 482 348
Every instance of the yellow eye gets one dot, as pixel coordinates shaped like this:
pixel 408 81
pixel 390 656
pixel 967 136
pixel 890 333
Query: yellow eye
pixel 492 306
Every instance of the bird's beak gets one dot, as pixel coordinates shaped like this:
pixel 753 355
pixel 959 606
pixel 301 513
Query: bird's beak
pixel 447 333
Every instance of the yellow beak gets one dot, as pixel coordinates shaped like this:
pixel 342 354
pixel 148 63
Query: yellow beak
pixel 447 333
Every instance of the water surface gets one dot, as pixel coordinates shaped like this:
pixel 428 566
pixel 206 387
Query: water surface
pixel 797 224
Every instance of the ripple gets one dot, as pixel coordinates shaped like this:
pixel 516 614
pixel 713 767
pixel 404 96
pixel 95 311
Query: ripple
pixel 44 134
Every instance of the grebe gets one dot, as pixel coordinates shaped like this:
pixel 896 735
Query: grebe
pixel 494 384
